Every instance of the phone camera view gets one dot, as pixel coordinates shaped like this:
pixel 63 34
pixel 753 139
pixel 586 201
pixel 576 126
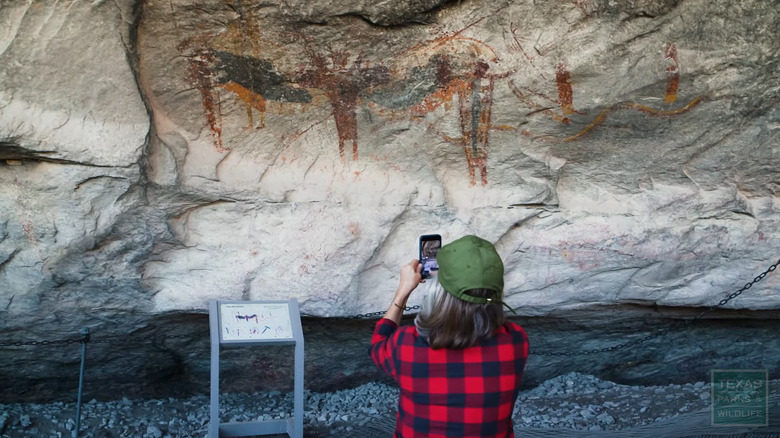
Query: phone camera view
pixel 429 247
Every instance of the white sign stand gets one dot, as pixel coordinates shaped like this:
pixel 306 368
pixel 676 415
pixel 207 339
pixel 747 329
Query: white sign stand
pixel 247 323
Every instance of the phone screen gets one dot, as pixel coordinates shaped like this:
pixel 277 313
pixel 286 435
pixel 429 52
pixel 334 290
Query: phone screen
pixel 429 247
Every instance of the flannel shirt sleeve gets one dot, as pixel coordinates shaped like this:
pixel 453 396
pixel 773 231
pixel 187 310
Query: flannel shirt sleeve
pixel 383 345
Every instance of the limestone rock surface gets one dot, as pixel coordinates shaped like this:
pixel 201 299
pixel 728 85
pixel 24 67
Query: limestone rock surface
pixel 158 154
pixel 614 152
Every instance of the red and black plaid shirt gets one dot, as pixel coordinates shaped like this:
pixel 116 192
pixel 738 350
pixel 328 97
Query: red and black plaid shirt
pixel 452 393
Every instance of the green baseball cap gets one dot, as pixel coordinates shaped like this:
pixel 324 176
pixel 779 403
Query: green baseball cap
pixel 470 263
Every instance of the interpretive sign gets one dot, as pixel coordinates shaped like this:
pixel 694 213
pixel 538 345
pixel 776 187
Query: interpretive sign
pixel 256 323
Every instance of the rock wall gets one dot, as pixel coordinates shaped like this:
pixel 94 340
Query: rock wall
pixel 158 154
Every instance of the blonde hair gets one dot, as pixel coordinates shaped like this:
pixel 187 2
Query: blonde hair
pixel 449 322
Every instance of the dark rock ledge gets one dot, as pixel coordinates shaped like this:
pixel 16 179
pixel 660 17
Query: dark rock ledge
pixel 169 357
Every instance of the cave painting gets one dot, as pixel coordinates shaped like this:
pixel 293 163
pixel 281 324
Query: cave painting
pixel 343 83
pixel 565 98
pixel 672 74
pixel 254 81
pixel 565 91
pixel 427 77
pixel 444 78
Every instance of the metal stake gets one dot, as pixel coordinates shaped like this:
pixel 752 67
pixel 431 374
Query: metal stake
pixel 84 340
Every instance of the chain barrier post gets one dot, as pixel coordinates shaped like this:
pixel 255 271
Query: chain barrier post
pixel 84 341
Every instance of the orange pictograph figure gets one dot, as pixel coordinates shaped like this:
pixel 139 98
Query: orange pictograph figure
pixel 565 93
pixel 672 74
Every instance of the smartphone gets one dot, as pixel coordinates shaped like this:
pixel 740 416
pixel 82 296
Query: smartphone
pixel 430 244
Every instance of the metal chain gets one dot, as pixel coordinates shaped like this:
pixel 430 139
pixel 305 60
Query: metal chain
pixel 659 333
pixel 375 314
pixel 123 339
pixel 733 295
pixel 88 339
pixel 24 343
pixel 152 339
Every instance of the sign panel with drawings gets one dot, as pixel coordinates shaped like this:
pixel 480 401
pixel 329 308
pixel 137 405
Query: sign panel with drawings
pixel 255 321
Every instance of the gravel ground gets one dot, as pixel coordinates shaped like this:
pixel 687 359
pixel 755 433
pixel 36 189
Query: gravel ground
pixel 569 401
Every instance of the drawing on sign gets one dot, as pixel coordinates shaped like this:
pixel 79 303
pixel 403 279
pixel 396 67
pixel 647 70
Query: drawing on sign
pixel 248 321
pixel 240 317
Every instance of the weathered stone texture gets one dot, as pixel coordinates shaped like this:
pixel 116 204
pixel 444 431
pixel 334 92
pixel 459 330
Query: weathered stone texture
pixel 158 154
pixel 600 145
pixel 66 83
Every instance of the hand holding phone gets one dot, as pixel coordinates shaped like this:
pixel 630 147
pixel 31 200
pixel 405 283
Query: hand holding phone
pixel 430 244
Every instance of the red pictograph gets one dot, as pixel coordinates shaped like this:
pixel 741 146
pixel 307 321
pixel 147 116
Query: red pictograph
pixel 452 75
pixel 672 73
